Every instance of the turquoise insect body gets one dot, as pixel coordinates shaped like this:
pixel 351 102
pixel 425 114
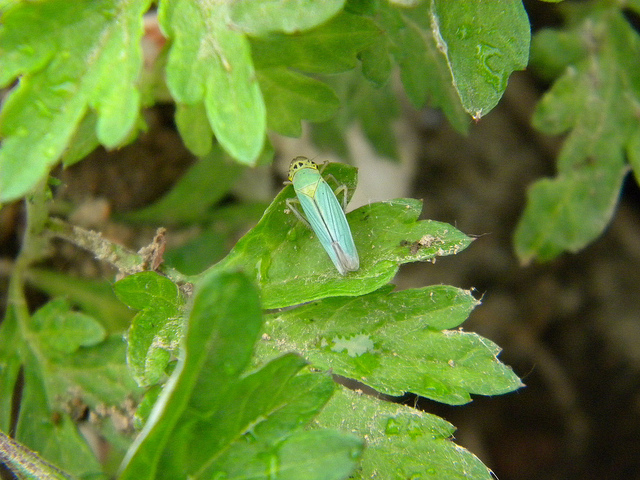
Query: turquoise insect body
pixel 324 213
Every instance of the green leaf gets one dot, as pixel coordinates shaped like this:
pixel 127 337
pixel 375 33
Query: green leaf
pixel 319 455
pixel 194 128
pixel 194 194
pixel 241 424
pixel 146 406
pixel 64 330
pixel 211 62
pixel 281 403
pixel 214 242
pixel 312 455
pixel 156 329
pixel 596 100
pixel 95 297
pixel 375 110
pixel 55 438
pixel 100 372
pixel 59 374
pixel 330 48
pixel 402 442
pixel 292 97
pixel 65 53
pixel 83 141
pixel 291 266
pixel 223 324
pixel 553 51
pixel 423 69
pixel 376 62
pixel 395 342
pixel 288 16
pixel 566 213
pixel 483 43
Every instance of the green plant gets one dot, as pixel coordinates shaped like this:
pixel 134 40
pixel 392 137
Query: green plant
pixel 595 97
pixel 219 384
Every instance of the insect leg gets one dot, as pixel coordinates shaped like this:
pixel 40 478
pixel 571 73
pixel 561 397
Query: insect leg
pixel 342 188
pixel 294 210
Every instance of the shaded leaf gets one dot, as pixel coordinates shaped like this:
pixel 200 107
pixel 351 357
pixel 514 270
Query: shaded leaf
pixel 215 241
pixel 194 194
pixel 95 297
pixel 330 48
pixel 64 330
pixel 292 97
pixel 595 100
pixel 54 437
pixel 374 109
pixel 59 375
pixel 10 363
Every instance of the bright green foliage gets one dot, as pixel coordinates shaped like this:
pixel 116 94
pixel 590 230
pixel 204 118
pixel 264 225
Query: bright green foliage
pixel 61 352
pixel 194 128
pixel 595 100
pixel 291 267
pixel 287 16
pixel 416 444
pixel 234 70
pixel 156 330
pixel 210 419
pixel 395 342
pixel 210 62
pixel 66 54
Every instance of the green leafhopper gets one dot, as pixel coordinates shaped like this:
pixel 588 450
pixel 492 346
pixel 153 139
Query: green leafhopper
pixel 324 213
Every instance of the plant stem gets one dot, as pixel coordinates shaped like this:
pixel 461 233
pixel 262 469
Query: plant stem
pixel 34 247
pixel 27 464
pixel 126 261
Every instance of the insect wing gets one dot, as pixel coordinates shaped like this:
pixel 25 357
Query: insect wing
pixel 338 227
pixel 327 219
